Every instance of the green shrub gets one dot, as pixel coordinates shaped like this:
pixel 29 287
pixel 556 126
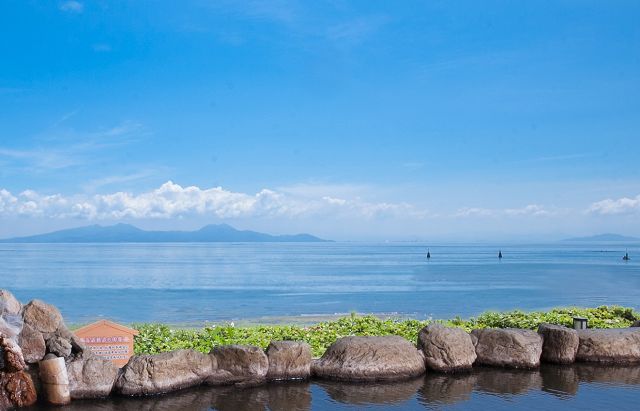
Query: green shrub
pixel 156 338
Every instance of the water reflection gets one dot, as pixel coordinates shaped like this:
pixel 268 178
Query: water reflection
pixel 371 393
pixel 556 387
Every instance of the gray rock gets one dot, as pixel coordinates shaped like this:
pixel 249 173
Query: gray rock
pixel 42 317
pixel 636 323
pixel 59 346
pixel 8 303
pixel 234 364
pixel 446 349
pixel 165 372
pixel 560 343
pixel 508 347
pixel 32 343
pixel 288 360
pixel 91 377
pixel 621 345
pixel 370 359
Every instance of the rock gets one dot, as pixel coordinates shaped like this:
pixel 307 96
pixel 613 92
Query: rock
pixel 370 359
pixel 288 360
pixel 508 347
pixel 16 390
pixel 159 373
pixel 621 345
pixel 445 348
pixel 91 377
pixel 560 344
pixel 32 344
pixel 12 360
pixel 8 303
pixel 233 364
pixel 42 317
pixel 636 323
pixel 59 346
pixel 474 340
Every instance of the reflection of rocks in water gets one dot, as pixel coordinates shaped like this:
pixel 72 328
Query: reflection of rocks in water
pixel 507 381
pixel 608 374
pixel 561 380
pixel 373 392
pixel 194 399
pixel 294 396
pixel 289 396
pixel 447 388
pixel 232 398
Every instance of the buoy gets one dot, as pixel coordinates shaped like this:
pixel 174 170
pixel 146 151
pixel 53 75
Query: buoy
pixel 55 380
pixel 428 254
pixel 500 254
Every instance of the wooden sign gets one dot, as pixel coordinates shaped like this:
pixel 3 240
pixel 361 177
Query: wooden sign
pixel 108 340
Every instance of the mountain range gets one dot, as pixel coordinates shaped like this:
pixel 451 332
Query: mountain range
pixel 127 233
pixel 604 237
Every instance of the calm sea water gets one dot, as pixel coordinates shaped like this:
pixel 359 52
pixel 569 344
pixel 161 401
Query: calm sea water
pixel 195 283
pixel 577 387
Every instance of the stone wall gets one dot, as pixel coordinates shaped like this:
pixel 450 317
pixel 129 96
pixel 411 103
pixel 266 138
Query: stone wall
pixel 38 329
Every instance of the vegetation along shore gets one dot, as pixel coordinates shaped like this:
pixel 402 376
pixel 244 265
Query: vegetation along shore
pixel 156 338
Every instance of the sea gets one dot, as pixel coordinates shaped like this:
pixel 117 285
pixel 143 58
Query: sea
pixel 193 284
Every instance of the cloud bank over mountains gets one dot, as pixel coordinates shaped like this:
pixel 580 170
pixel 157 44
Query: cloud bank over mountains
pixel 172 200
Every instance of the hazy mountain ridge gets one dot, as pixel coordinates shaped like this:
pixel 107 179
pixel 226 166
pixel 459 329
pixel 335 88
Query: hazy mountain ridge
pixel 127 233
pixel 604 237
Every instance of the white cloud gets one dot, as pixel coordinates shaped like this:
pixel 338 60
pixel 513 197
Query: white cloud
pixel 72 6
pixel 172 200
pixel 609 206
pixel 529 210
pixel 474 212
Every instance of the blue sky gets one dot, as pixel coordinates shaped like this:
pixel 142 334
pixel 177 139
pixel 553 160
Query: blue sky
pixel 351 120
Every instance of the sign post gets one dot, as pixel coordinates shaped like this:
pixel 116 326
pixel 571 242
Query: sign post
pixel 108 340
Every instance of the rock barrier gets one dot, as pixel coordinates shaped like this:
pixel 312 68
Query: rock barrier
pixel 35 331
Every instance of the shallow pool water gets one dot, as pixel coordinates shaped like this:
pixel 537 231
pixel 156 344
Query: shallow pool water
pixel 576 387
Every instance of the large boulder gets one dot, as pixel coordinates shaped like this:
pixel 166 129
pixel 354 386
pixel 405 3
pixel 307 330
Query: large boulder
pixel 445 348
pixel 636 323
pixel 8 303
pixel 32 343
pixel 288 360
pixel 620 345
pixel 91 376
pixel 12 359
pixel 560 343
pixel 508 347
pixel 16 390
pixel 165 372
pixel 370 359
pixel 238 364
pixel 42 317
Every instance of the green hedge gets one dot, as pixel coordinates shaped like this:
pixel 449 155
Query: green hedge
pixel 155 338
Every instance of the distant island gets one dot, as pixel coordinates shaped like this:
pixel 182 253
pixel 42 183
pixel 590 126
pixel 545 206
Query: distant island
pixel 127 233
pixel 604 237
